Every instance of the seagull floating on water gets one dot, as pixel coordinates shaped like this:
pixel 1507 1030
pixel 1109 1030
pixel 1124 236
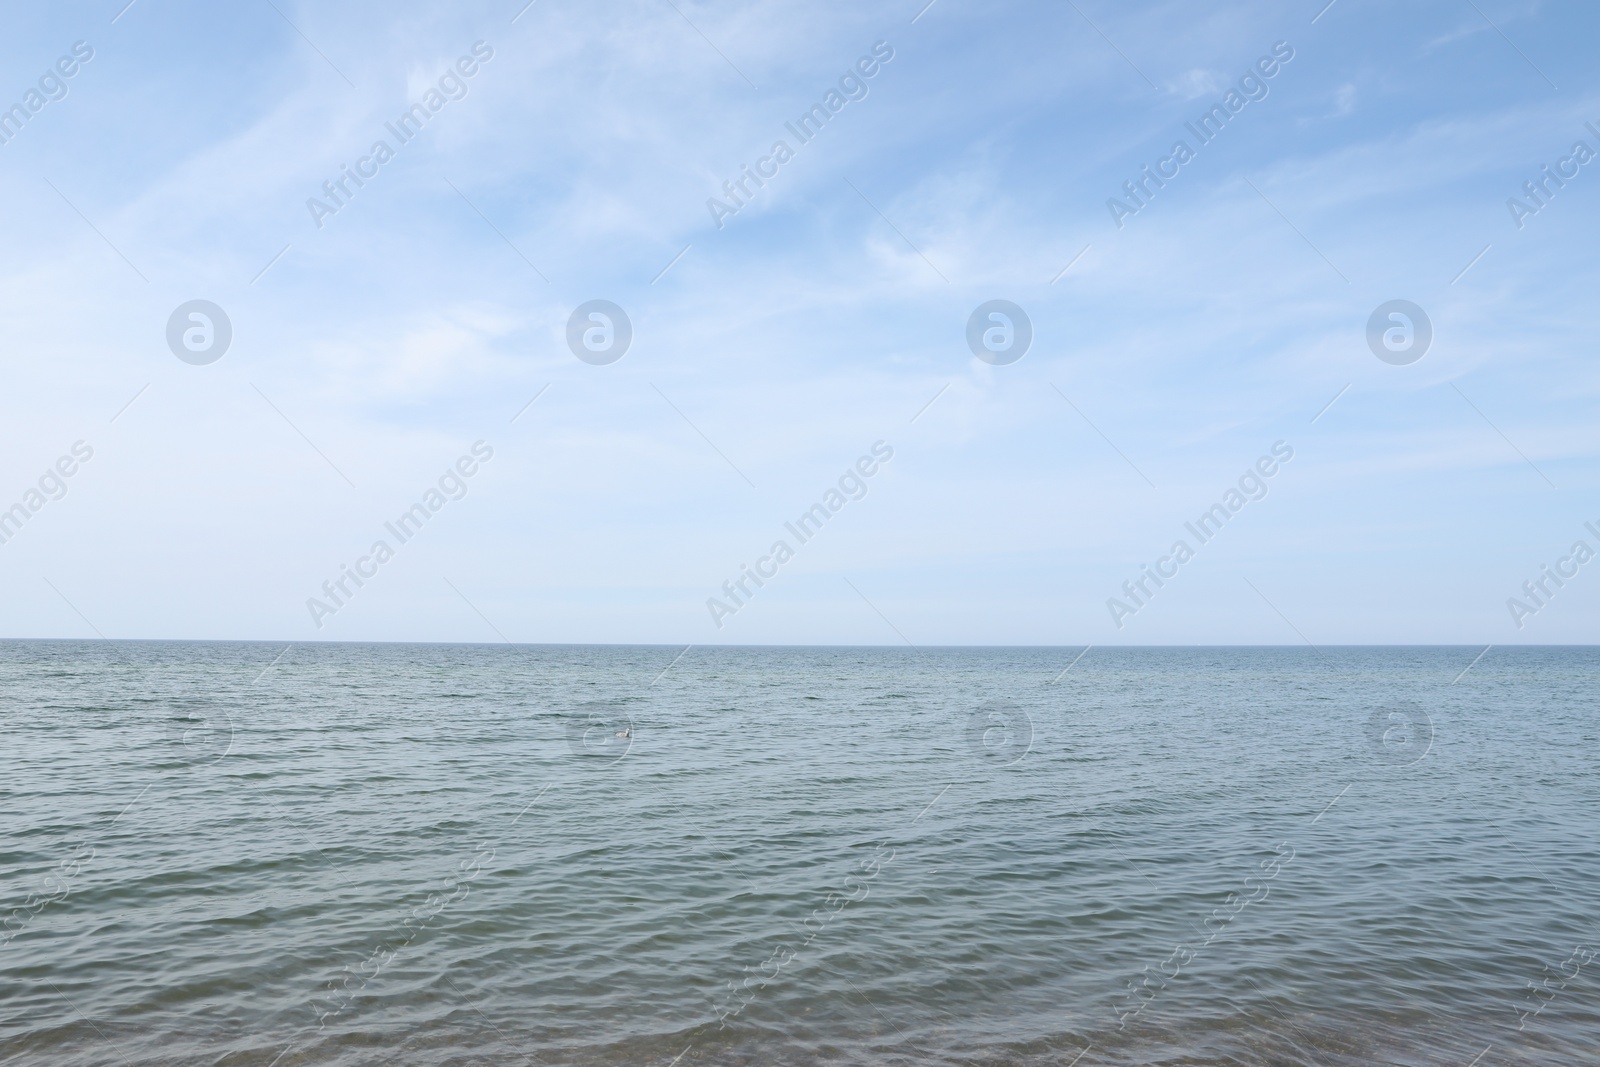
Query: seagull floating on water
pixel 623 733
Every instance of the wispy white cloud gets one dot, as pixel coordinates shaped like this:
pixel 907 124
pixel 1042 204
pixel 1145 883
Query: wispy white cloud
pixel 809 326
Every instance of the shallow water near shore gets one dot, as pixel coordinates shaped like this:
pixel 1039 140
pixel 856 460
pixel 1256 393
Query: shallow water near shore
pixel 237 853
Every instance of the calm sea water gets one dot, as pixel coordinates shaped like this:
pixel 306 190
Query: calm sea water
pixel 374 854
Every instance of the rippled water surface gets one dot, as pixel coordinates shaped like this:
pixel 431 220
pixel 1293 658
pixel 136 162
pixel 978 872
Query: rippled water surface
pixel 375 854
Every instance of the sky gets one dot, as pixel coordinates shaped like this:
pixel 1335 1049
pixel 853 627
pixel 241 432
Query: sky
pixel 385 338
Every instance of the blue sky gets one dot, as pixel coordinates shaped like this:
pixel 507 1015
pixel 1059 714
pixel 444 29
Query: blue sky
pixel 372 352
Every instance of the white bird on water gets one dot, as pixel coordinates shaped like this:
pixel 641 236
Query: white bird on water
pixel 623 733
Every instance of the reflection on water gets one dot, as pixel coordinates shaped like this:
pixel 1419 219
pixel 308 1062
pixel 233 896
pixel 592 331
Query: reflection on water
pixel 461 855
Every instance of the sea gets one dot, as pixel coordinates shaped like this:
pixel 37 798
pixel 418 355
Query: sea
pixel 346 854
